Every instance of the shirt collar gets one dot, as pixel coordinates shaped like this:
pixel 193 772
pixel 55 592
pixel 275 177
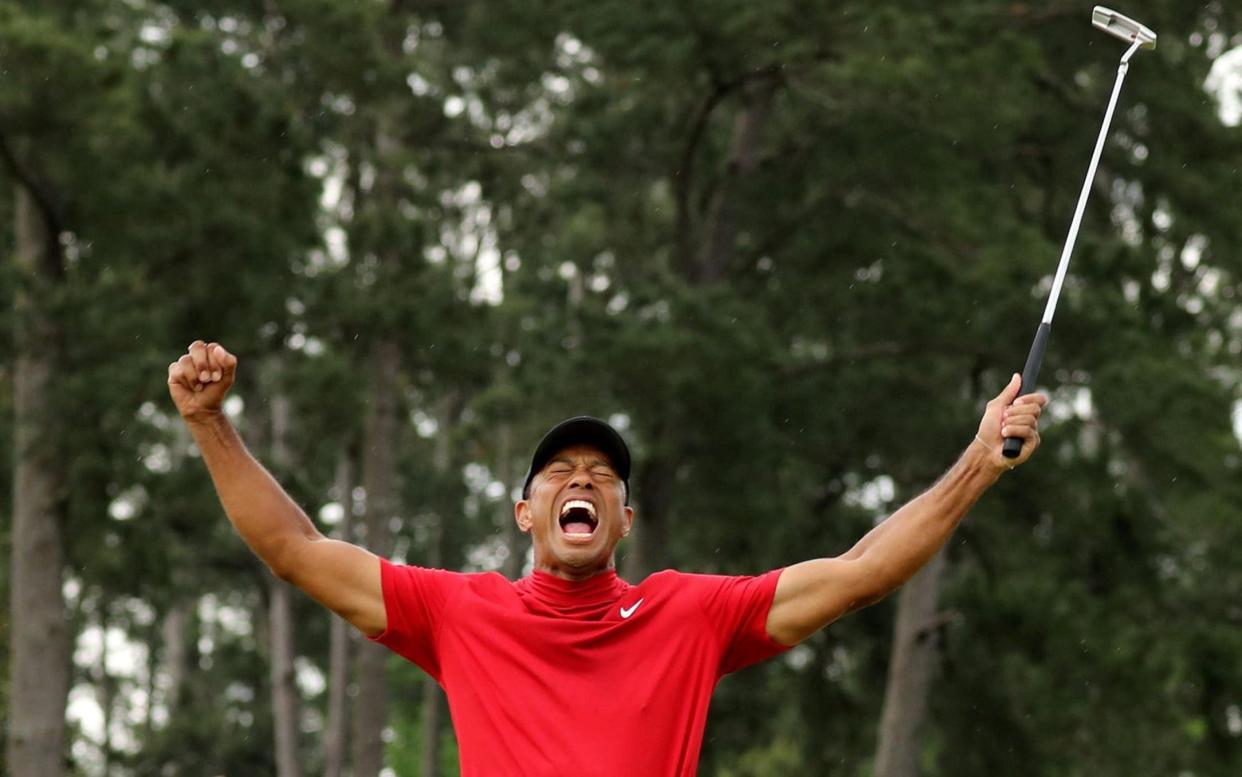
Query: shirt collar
pixel 581 599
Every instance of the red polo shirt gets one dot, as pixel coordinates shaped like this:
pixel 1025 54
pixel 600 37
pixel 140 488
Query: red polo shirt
pixel 594 678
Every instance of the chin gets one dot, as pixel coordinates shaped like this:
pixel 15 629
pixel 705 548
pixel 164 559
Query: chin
pixel 583 557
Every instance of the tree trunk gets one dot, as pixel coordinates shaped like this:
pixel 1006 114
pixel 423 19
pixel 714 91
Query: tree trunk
pixel 720 225
pixel 378 474
pixel 370 712
pixel 285 708
pixel 910 673
pixel 442 463
pixel 433 724
pixel 173 632
pixel 40 639
pixel 646 550
pixel 338 640
pixel 705 258
pixel 515 541
pixel 284 688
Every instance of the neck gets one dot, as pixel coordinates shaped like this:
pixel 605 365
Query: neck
pixel 574 573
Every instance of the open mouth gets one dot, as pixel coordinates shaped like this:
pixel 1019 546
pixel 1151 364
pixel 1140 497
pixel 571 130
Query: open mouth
pixel 578 519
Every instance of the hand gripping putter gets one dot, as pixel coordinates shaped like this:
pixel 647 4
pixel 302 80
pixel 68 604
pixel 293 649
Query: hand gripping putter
pixel 1139 37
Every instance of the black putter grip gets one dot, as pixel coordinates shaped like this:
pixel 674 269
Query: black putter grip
pixel 1030 374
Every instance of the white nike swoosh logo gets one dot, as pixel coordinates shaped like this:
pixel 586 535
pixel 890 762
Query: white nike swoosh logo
pixel 627 613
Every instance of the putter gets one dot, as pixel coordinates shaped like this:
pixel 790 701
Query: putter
pixel 1139 37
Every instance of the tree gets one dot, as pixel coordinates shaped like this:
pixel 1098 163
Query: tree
pixel 789 249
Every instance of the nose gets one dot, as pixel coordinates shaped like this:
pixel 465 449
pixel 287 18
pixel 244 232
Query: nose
pixel 581 479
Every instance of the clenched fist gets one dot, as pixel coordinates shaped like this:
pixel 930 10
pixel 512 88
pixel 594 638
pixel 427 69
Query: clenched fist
pixel 1010 415
pixel 199 380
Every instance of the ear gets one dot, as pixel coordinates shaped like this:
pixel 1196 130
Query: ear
pixel 627 518
pixel 521 515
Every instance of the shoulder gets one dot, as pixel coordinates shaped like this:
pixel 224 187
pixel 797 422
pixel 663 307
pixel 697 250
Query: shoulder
pixel 444 581
pixel 673 580
pixel 487 583
pixel 708 586
pixel 674 577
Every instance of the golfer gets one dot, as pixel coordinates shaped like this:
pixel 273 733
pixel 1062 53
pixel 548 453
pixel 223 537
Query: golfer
pixel 573 670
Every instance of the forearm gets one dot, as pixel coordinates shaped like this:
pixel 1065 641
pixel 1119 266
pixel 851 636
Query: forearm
pixel 814 593
pixel 267 519
pixel 907 539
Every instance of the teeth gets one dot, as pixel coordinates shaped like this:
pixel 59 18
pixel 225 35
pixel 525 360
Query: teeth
pixel 580 504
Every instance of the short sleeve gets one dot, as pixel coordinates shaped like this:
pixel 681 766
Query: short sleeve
pixel 415 599
pixel 737 609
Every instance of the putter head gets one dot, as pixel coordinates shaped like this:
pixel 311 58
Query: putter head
pixel 1123 27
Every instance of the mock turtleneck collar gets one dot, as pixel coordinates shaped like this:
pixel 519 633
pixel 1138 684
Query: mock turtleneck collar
pixel 589 599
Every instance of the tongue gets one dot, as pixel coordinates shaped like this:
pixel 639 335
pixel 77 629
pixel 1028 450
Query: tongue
pixel 577 527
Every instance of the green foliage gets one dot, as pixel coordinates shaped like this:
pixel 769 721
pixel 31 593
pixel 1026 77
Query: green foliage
pixel 780 318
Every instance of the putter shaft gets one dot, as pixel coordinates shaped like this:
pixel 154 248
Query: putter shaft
pixel 1068 248
pixel 1139 37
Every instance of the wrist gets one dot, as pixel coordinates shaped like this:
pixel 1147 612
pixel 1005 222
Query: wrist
pixel 987 459
pixel 204 419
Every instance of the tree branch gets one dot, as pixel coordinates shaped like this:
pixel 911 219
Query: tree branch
pixel 49 209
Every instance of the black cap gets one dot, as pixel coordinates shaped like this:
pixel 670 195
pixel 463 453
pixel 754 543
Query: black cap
pixel 583 429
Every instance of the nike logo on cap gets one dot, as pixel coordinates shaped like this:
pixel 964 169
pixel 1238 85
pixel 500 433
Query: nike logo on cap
pixel 626 613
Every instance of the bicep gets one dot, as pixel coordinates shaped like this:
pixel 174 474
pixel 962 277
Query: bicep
pixel 815 593
pixel 342 577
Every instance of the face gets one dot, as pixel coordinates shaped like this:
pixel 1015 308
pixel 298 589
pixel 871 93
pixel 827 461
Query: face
pixel 576 513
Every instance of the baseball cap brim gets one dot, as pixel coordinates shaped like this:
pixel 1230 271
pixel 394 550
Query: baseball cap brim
pixel 581 430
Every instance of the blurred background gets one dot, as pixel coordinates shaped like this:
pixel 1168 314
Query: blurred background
pixel 789 248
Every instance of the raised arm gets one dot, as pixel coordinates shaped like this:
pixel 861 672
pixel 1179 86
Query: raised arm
pixel 342 577
pixel 814 593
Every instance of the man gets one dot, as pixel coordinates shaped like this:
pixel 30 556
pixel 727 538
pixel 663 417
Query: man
pixel 572 670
